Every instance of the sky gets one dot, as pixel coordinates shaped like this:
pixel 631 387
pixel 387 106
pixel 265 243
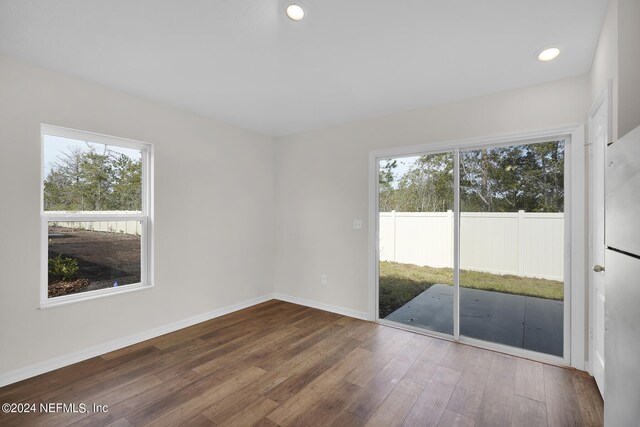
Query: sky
pixel 55 147
pixel 403 166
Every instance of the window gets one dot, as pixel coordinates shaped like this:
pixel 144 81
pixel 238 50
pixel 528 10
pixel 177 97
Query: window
pixel 96 215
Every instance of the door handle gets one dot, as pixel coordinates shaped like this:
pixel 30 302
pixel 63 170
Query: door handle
pixel 598 268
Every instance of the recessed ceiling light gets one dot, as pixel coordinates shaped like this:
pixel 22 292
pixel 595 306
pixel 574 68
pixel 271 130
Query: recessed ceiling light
pixel 295 12
pixel 548 54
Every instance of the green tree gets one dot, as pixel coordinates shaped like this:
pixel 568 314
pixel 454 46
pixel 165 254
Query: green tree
pixel 85 179
pixel 62 185
pixel 526 177
pixel 127 184
pixel 507 179
pixel 386 178
pixel 97 179
pixel 426 187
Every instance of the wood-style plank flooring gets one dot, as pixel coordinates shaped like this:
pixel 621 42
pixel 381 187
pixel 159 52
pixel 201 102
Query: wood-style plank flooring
pixel 283 364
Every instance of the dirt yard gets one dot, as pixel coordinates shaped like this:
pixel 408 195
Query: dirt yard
pixel 103 258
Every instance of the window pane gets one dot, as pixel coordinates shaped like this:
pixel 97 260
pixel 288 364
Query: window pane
pixel 416 241
pixel 512 245
pixel 85 176
pixel 86 256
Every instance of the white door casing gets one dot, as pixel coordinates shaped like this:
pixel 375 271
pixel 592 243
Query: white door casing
pixel 575 272
pixel 599 136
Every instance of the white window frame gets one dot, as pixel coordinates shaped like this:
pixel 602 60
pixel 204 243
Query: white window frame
pixel 145 217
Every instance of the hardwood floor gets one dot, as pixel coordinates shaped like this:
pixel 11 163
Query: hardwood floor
pixel 283 364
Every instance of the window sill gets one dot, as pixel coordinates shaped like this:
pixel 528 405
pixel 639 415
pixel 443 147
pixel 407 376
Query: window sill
pixel 86 296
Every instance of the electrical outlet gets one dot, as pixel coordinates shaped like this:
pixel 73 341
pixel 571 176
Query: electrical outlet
pixel 323 279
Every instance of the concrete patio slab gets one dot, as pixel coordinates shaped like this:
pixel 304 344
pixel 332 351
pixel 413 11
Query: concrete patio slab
pixel 519 321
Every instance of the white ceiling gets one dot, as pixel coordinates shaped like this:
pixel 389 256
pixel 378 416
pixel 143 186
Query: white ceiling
pixel 244 62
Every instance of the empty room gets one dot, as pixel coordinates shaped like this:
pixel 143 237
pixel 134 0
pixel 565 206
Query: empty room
pixel 319 213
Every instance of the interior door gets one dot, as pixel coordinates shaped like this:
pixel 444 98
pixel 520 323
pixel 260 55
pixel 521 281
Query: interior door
pixel 599 137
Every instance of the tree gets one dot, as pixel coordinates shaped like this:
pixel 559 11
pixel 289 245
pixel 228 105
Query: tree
pixel 127 183
pixel 507 179
pixel 386 178
pixel 427 186
pixel 96 179
pixel 526 177
pixel 85 179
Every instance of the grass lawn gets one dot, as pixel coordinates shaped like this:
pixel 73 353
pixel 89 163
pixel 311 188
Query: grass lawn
pixel 400 283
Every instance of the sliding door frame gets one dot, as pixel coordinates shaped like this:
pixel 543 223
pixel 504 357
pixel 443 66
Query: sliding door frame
pixel 574 255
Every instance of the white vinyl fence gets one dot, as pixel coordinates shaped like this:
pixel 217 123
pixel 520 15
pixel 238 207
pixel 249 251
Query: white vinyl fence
pixel 519 243
pixel 125 227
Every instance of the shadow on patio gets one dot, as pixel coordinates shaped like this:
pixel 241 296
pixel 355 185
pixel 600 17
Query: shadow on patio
pixel 516 320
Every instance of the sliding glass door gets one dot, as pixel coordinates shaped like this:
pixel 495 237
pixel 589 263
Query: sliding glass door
pixel 471 244
pixel 416 202
pixel 512 245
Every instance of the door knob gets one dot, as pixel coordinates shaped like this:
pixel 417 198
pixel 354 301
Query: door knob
pixel 598 268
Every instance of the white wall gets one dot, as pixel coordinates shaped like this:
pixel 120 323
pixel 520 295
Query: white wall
pixel 322 180
pixel 617 58
pixel 605 62
pixel 206 173
pixel 628 65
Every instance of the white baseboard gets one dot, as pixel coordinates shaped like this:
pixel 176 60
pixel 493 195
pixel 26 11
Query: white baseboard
pixel 78 356
pixel 321 306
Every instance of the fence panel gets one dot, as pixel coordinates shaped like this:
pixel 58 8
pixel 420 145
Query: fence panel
pixel 489 242
pixel 125 227
pixel 519 243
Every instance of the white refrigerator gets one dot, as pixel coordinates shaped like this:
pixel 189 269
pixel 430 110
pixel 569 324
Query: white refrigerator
pixel 622 282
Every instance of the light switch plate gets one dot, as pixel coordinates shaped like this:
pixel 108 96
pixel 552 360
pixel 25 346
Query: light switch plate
pixel 357 224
